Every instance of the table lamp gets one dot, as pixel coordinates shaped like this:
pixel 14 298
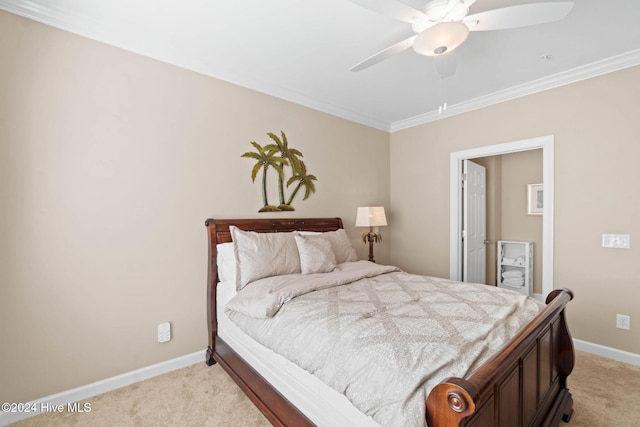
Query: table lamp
pixel 372 217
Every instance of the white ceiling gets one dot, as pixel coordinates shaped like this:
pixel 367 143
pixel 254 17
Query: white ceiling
pixel 301 50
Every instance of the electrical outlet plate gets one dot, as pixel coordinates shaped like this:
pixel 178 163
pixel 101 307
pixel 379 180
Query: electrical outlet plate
pixel 164 332
pixel 623 322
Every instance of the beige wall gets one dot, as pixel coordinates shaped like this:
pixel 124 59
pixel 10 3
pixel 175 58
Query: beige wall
pixel 518 170
pixel 596 127
pixel 109 164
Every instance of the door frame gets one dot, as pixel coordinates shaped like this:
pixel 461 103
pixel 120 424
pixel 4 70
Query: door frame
pixel 545 143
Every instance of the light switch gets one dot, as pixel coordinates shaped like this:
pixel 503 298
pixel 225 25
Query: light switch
pixel 620 241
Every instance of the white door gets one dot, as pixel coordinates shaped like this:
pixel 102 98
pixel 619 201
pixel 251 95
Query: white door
pixel 474 231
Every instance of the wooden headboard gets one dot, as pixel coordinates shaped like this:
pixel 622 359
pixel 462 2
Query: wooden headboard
pixel 219 233
pixel 219 228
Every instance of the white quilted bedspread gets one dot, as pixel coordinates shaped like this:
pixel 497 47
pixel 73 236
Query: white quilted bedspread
pixel 383 341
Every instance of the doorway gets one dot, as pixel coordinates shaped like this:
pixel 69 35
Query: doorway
pixel 546 144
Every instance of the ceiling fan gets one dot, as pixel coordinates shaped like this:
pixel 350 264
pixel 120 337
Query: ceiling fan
pixel 443 25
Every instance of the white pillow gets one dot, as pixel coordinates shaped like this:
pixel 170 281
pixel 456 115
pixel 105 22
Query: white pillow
pixel 340 242
pixel 316 254
pixel 226 261
pixel 261 255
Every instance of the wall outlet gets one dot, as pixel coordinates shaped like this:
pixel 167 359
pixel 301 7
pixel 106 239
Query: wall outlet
pixel 164 332
pixel 623 322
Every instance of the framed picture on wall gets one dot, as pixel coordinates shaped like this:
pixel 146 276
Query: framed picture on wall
pixel 535 200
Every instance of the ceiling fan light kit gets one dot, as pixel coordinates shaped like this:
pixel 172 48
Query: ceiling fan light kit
pixel 441 38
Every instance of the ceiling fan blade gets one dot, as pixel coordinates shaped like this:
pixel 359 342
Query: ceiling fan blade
pixel 518 16
pixel 384 54
pixel 392 8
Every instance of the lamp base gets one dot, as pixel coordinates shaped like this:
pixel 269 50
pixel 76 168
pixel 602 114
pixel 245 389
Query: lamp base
pixel 371 237
pixel 371 251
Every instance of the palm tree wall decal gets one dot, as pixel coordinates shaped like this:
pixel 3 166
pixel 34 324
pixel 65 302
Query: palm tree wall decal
pixel 303 180
pixel 277 156
pixel 265 157
pixel 293 157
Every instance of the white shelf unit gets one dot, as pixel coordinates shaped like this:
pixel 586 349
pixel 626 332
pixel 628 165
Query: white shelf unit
pixel 515 266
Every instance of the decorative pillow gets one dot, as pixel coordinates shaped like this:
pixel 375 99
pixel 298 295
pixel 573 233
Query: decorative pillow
pixel 316 254
pixel 226 261
pixel 261 255
pixel 340 242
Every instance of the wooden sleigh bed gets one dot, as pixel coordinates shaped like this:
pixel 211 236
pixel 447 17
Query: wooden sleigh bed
pixel 525 384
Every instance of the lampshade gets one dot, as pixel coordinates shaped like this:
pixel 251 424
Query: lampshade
pixel 441 38
pixel 371 216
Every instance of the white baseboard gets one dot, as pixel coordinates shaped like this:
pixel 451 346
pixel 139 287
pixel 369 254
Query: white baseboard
pixel 609 352
pixel 102 386
pixel 128 378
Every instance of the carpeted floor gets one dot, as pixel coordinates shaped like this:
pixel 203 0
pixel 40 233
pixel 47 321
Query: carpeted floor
pixel 605 394
pixel 197 395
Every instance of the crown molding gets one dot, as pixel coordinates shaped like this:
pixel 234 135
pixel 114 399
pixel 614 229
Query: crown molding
pixel 614 63
pixel 97 31
pixel 94 30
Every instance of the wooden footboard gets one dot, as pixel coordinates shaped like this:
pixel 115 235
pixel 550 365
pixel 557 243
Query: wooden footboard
pixel 523 385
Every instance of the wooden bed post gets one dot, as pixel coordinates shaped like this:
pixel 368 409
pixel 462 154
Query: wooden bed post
pixel 455 394
pixel 566 357
pixel 212 280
